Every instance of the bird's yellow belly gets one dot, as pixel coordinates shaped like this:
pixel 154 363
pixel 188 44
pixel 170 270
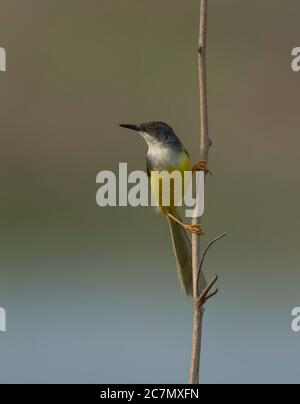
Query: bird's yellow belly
pixel 174 193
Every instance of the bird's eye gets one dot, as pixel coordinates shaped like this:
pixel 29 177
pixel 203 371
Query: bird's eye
pixel 149 128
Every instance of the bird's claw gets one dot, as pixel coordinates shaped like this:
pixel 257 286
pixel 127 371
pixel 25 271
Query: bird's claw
pixel 201 166
pixel 194 229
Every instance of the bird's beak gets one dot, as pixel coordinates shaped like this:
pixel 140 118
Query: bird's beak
pixel 132 127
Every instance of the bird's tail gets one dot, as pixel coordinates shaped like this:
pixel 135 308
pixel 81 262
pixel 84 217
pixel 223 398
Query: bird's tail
pixel 183 254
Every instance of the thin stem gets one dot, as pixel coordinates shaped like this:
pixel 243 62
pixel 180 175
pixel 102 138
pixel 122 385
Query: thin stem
pixel 196 346
pixel 204 148
pixel 204 135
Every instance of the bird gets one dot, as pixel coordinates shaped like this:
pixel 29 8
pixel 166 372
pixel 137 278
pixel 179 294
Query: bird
pixel 167 153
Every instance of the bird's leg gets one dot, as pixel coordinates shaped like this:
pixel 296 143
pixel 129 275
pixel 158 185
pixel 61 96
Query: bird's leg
pixel 193 228
pixel 201 166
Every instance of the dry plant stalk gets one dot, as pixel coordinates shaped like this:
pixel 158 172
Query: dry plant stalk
pixel 200 298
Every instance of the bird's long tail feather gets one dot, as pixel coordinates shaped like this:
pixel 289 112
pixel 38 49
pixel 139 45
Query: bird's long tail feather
pixel 183 254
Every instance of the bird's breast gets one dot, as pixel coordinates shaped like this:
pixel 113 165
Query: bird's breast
pixel 165 158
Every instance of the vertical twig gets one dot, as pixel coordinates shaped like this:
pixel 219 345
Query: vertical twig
pixel 198 301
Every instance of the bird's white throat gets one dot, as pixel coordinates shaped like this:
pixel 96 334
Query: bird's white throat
pixel 161 156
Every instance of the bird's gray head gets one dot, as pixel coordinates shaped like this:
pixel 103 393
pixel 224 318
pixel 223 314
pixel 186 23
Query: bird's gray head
pixel 155 132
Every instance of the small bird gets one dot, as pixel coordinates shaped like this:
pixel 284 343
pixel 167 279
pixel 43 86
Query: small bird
pixel 167 153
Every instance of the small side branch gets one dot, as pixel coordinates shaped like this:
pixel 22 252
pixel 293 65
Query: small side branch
pixel 210 244
pixel 206 295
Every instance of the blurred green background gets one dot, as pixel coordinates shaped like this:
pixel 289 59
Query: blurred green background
pixel 91 294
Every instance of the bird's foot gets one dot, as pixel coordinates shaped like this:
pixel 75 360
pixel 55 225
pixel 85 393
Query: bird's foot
pixel 201 166
pixel 192 228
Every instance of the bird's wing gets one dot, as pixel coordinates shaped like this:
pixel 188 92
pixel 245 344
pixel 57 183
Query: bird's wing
pixel 148 167
pixel 187 153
